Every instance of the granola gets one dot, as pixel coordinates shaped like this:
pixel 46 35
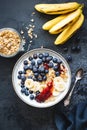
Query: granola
pixel 9 42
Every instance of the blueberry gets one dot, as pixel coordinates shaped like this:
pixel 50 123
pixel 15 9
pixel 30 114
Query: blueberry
pixel 55 67
pixel 32 62
pixel 25 62
pixel 37 66
pixel 43 59
pixel 26 67
pixel 31 96
pixel 59 62
pixel 22 86
pixel 39 62
pixel 49 58
pixel 34 69
pixel 73 48
pixel 26 92
pixel 65 49
pixel 23 78
pixel 78 48
pixel 30 91
pixel 50 64
pixel 41 69
pixel 20 72
pixel 69 58
pixel 55 60
pixel 40 55
pixel 36 74
pixel 57 73
pixel 40 79
pixel 19 76
pixel 46 54
pixel 45 78
pixel 30 58
pixel 42 74
pixel 35 56
pixel 23 90
pixel 37 92
pixel 46 71
pixel 30 67
pixel 22 82
pixel 27 89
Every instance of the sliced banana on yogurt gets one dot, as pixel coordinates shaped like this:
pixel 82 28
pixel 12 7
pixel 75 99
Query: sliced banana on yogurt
pixel 30 84
pixel 58 79
pixel 55 92
pixel 59 86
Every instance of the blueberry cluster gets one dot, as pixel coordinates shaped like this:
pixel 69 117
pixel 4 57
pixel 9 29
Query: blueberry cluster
pixel 75 48
pixel 25 90
pixel 29 93
pixel 39 64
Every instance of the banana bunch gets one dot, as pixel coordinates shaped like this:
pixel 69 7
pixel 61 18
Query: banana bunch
pixel 70 18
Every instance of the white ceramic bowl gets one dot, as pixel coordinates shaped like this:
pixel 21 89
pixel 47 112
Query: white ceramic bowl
pixel 17 87
pixel 20 46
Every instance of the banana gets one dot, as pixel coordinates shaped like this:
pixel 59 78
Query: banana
pixel 59 86
pixel 60 26
pixel 34 85
pixel 57 8
pixel 29 83
pixel 69 31
pixel 48 25
pixel 55 92
pixel 57 79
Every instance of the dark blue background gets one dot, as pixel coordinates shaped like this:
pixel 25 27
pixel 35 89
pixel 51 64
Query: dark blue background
pixel 14 114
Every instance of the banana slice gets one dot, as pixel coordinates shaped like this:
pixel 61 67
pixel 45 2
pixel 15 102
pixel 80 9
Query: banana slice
pixel 29 83
pixel 58 79
pixel 55 92
pixel 59 84
pixel 32 85
pixel 36 86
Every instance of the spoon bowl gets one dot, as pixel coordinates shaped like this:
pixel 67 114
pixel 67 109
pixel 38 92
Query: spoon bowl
pixel 78 76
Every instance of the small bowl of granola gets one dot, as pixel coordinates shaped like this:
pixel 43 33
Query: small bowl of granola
pixel 41 77
pixel 10 42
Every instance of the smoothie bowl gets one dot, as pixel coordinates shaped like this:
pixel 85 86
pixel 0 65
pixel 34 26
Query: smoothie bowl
pixel 41 78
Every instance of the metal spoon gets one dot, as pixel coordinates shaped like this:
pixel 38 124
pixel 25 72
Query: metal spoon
pixel 78 76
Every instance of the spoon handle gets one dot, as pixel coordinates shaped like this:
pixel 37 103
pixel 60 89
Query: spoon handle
pixel 67 100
